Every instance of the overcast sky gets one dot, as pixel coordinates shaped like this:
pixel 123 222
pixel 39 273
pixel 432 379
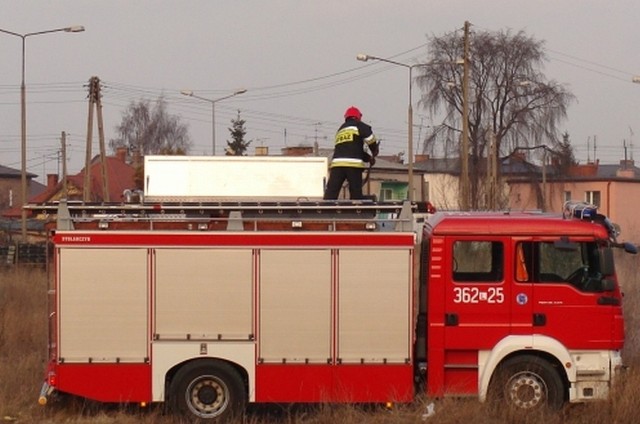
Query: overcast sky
pixel 297 61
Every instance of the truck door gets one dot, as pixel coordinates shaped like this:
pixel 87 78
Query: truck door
pixel 569 294
pixel 477 313
pixel 522 318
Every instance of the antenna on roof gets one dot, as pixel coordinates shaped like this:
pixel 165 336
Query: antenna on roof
pixel 630 143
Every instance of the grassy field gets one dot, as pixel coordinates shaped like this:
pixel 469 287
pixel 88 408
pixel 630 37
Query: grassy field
pixel 23 338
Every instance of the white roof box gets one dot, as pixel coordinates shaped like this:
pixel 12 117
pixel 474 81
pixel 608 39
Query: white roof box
pixel 233 178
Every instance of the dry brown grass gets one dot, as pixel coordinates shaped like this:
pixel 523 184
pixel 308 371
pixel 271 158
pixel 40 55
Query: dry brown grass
pixel 23 335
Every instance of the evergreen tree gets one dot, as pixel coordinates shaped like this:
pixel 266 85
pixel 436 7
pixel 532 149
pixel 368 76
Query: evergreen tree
pixel 237 146
pixel 565 156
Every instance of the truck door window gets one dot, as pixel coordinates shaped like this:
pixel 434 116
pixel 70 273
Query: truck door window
pixel 558 265
pixel 522 269
pixel 478 261
pixel 547 263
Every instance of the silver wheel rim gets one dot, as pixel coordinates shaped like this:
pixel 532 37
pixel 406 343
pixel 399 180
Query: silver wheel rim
pixel 207 396
pixel 526 390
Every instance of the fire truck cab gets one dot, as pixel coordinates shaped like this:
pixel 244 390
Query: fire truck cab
pixel 525 305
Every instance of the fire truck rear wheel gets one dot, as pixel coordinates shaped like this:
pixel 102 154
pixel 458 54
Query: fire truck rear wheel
pixel 208 390
pixel 528 383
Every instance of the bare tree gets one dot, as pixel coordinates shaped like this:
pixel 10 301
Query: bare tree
pixel 151 130
pixel 509 97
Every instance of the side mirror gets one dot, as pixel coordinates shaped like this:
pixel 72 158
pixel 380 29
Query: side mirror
pixel 630 248
pixel 606 261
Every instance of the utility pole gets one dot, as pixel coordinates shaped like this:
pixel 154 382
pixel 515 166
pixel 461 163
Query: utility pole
pixel 95 99
pixel 464 151
pixel 492 172
pixel 316 133
pixel 63 141
pixel 103 154
pixel 544 178
pixel 86 194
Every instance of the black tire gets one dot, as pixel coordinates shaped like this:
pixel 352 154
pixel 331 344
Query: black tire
pixel 208 391
pixel 528 383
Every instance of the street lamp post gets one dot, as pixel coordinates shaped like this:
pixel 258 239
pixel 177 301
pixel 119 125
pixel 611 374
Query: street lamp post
pixel 23 116
pixel 365 57
pixel 213 111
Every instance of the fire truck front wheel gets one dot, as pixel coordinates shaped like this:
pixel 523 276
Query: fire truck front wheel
pixel 528 383
pixel 207 390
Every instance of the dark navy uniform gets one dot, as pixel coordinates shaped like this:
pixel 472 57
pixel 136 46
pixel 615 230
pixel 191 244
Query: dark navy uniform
pixel 355 147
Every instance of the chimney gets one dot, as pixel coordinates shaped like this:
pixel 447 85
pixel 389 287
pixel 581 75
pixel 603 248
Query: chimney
pixel 627 169
pixel 262 150
pixel 587 170
pixel 519 156
pixel 121 154
pixel 137 158
pixel 420 158
pixel 52 180
pixel 297 151
pixel 626 163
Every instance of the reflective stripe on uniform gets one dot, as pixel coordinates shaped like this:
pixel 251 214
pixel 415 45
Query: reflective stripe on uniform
pixel 371 139
pixel 348 162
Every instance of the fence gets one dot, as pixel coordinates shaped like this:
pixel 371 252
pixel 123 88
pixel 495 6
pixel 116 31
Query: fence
pixel 24 254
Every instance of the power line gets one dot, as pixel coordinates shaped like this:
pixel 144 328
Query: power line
pixel 591 63
pixel 120 95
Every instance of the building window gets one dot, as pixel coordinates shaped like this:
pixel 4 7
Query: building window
pixel 592 197
pixel 567 196
pixel 386 194
pixel 392 190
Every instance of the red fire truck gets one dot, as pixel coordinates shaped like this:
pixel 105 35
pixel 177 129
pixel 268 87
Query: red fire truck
pixel 210 306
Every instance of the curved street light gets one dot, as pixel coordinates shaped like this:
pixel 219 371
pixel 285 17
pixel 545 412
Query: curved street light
pixel 213 111
pixel 366 57
pixel 23 118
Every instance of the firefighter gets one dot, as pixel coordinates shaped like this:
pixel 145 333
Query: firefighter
pixel 355 147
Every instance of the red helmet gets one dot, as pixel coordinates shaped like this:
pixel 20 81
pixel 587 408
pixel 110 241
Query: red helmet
pixel 353 112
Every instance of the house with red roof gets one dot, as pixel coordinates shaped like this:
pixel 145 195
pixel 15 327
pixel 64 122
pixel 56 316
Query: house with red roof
pixel 120 174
